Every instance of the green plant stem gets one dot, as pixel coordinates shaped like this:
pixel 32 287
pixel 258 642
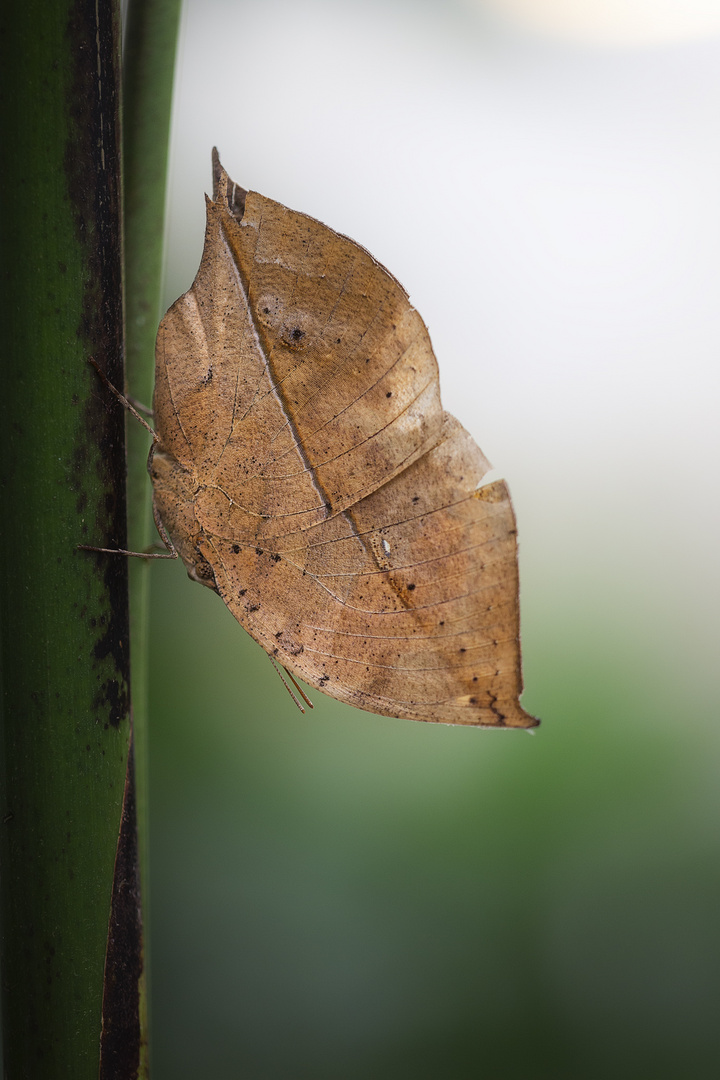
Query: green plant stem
pixel 63 613
pixel 148 62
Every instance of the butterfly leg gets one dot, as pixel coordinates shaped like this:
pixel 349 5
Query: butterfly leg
pixel 171 552
pixel 132 407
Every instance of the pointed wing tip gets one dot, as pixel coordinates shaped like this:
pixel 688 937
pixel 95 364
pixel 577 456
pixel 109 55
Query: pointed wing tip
pixel 226 191
pixel 510 718
pixel 220 177
pixel 522 720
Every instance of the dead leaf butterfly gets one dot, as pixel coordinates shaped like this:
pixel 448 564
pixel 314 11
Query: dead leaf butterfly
pixel 305 470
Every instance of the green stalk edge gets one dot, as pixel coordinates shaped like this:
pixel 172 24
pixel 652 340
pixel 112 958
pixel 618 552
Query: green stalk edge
pixel 149 48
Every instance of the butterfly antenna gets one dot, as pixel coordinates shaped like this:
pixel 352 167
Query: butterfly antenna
pixel 301 692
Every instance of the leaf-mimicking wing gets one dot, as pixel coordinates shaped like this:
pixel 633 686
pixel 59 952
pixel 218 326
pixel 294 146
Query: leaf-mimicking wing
pixel 306 471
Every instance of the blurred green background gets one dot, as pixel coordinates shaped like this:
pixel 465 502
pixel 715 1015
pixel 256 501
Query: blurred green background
pixel 338 895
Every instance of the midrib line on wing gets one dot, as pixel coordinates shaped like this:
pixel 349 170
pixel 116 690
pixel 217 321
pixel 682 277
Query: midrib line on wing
pixel 279 395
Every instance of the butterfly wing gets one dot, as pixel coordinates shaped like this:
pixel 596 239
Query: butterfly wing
pixel 337 504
